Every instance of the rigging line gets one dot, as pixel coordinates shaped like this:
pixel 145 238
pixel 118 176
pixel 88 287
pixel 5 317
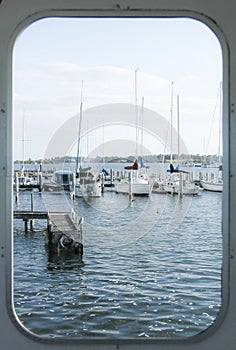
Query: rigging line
pixel 141 126
pixel 140 122
pixel 178 148
pixel 212 119
pixel 167 133
pixel 171 115
pixel 169 126
pixel 79 129
pixel 220 122
pixel 136 111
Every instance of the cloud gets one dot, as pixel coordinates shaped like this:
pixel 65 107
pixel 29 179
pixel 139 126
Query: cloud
pixel 50 92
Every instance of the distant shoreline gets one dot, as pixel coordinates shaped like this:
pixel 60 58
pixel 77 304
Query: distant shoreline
pixel 158 158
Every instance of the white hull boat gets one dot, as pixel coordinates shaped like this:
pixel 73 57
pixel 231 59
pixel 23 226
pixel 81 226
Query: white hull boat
pixel 139 187
pixel 88 185
pixel 214 182
pixel 187 189
pixel 61 181
pixel 212 186
pixel 177 185
pixel 88 190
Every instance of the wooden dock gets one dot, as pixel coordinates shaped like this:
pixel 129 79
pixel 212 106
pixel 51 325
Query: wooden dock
pixel 64 229
pixel 64 222
pixel 30 215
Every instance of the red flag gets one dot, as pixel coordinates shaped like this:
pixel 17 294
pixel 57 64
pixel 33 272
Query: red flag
pixel 132 167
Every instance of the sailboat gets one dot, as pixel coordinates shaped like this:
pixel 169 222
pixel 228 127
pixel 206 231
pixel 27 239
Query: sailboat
pixel 22 178
pixel 179 181
pixel 215 184
pixel 138 181
pixel 87 183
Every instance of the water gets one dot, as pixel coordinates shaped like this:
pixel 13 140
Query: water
pixel 151 268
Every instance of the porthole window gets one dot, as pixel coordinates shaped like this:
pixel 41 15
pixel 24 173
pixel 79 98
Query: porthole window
pixel 118 178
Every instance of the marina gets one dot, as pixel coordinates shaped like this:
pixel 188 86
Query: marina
pixel 153 270
pixel 150 267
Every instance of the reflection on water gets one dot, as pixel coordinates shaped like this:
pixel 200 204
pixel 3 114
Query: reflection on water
pixel 65 260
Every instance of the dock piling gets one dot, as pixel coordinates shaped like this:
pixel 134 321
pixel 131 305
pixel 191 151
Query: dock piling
pixel 16 187
pixel 130 187
pixel 32 210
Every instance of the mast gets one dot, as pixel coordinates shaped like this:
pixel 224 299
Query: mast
pixel 220 121
pixel 171 123
pixel 23 139
pixel 178 125
pixel 79 130
pixel 142 113
pixel 136 113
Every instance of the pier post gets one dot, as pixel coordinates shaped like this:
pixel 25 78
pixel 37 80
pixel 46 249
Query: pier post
pixel 32 201
pixel 111 173
pixel 40 181
pixel 72 193
pixel 32 209
pixel 102 183
pixel 180 185
pixel 32 225
pixel 49 231
pixel 130 187
pixel 26 225
pixel 16 187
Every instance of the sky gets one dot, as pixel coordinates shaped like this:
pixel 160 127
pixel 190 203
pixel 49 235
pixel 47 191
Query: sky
pixel 121 62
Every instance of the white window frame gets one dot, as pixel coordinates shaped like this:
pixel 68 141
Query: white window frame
pixel 13 21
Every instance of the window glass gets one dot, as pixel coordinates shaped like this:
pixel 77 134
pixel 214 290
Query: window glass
pixel 117 177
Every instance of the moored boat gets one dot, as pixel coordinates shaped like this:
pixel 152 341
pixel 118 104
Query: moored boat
pixel 180 182
pixel 62 180
pixel 137 184
pixel 87 183
pixel 214 186
pixel 178 186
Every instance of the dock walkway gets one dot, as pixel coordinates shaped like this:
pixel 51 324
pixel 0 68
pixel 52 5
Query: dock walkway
pixel 30 215
pixel 67 224
pixel 64 229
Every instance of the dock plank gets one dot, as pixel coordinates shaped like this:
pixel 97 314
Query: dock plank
pixel 30 215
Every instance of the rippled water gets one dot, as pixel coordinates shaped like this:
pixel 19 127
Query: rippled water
pixel 151 268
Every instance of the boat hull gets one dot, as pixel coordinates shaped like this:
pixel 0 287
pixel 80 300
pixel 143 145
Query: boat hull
pixel 191 191
pixel 88 190
pixel 137 188
pixel 212 186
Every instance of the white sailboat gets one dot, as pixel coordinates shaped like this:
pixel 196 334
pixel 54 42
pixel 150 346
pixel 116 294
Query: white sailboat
pixel 22 179
pixel 215 183
pixel 138 181
pixel 181 184
pixel 179 181
pixel 87 183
